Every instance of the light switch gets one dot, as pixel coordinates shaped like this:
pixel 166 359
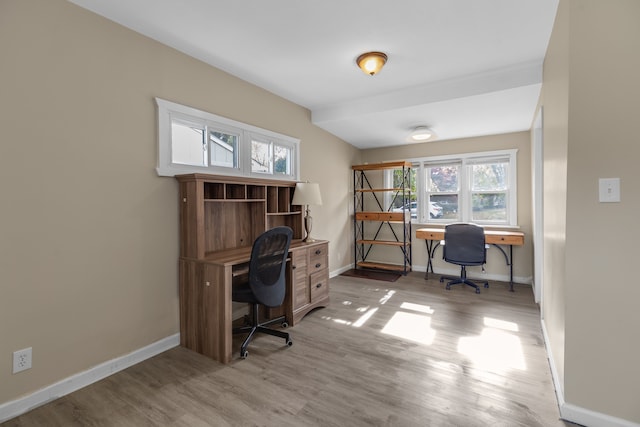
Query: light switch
pixel 609 190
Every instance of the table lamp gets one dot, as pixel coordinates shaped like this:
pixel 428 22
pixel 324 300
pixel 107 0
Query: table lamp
pixel 307 193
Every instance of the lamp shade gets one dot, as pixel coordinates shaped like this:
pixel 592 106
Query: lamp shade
pixel 307 193
pixel 371 62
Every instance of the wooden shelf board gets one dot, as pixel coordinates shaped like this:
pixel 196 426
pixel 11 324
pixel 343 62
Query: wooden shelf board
pixel 283 213
pixel 384 220
pixel 383 216
pixel 383 242
pixel 373 190
pixel 384 165
pixel 383 266
pixel 234 200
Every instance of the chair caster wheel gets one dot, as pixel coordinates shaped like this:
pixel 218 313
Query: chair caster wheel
pixel 486 285
pixel 285 325
pixel 289 342
pixel 477 290
pixel 441 280
pixel 448 287
pixel 244 354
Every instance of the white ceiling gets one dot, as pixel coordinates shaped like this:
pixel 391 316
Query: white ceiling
pixel 462 67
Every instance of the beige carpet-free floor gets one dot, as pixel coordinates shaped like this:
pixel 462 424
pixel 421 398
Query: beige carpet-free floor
pixel 404 353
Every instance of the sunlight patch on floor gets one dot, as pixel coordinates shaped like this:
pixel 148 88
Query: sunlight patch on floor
pixel 366 316
pixel 368 312
pixel 500 324
pixel 387 297
pixel 340 321
pixel 410 326
pixel 494 349
pixel 417 307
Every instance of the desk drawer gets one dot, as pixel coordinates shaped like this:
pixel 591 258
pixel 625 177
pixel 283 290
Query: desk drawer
pixel 318 258
pixel 430 235
pixel 505 240
pixel 319 284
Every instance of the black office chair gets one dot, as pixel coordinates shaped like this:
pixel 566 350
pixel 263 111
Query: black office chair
pixel 464 245
pixel 266 283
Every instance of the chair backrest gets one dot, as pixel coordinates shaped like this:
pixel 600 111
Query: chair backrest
pixel 464 244
pixel 267 266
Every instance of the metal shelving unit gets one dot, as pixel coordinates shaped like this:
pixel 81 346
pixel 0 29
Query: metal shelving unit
pixel 376 222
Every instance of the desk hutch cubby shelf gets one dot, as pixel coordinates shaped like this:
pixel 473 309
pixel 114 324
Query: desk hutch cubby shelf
pixel 382 216
pixel 220 217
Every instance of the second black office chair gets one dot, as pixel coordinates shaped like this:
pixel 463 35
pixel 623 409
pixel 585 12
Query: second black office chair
pixel 465 246
pixel 266 283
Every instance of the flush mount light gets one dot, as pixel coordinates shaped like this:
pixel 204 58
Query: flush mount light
pixel 371 62
pixel 421 134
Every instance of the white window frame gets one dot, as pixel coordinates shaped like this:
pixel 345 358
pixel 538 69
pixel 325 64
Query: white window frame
pixel 465 160
pixel 388 183
pixel 167 111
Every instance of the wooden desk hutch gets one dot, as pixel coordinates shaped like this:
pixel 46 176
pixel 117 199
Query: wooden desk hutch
pixel 220 217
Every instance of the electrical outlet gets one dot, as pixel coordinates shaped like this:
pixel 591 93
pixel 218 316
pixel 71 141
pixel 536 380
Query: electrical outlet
pixel 21 360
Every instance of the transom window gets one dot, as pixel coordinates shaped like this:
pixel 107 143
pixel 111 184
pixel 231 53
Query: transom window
pixel 474 187
pixel 192 141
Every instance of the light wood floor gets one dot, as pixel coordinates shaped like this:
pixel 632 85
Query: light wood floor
pixel 407 353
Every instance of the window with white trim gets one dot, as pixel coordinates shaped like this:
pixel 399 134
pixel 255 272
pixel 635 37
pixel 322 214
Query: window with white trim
pixel 473 187
pixel 194 141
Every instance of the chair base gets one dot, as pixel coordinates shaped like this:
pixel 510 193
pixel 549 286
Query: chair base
pixel 462 280
pixel 255 327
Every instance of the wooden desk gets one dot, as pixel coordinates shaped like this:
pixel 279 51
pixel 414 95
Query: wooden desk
pixel 220 218
pixel 433 236
pixel 205 294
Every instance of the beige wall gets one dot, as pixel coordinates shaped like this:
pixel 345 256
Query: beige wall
pixel 591 113
pixel 523 256
pixel 88 231
pixel 555 99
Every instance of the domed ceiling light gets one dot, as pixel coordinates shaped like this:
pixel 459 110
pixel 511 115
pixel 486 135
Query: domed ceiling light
pixel 371 62
pixel 421 134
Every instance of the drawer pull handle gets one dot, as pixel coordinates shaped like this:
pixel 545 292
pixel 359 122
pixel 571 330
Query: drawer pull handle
pixel 318 251
pixel 318 265
pixel 293 267
pixel 318 285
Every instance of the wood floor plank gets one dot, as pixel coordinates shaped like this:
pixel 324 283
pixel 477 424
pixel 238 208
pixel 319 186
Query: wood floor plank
pixel 404 353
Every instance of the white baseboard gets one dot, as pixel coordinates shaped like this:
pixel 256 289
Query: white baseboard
pixel 75 382
pixel 340 270
pixel 586 417
pixel 574 413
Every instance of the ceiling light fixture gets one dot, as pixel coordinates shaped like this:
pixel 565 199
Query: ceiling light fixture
pixel 371 62
pixel 421 134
